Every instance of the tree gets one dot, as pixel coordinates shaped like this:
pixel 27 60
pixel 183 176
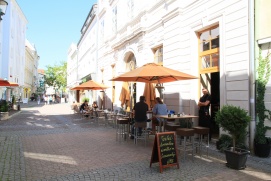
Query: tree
pixel 56 76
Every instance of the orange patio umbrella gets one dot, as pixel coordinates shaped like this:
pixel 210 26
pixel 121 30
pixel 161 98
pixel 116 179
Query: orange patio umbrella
pixel 149 93
pixel 125 96
pixel 90 85
pixel 153 73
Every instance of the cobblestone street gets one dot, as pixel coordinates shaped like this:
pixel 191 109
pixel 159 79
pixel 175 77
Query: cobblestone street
pixel 49 142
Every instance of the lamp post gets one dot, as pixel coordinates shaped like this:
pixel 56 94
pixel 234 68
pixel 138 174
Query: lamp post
pixel 102 91
pixel 160 89
pixel 3 7
pixel 113 85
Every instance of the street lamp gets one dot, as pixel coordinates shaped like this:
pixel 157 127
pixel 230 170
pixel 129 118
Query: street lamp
pixel 3 7
pixel 160 89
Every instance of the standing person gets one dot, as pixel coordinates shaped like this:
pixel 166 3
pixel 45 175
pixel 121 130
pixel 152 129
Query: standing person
pixel 50 99
pixel 159 109
pixel 140 113
pixel 45 100
pixel 204 114
pixel 38 99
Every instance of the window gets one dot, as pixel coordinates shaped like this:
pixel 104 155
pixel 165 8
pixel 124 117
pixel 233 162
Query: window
pixel 101 31
pixel 114 19
pixel 209 50
pixel 158 55
pixel 130 9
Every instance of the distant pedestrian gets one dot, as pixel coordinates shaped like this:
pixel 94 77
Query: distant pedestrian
pixel 38 99
pixel 45 100
pixel 50 99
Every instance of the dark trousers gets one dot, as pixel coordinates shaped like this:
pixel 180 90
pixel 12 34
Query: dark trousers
pixel 205 121
pixel 139 131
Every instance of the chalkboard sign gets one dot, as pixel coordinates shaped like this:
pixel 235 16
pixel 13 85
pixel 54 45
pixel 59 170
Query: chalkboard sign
pixel 164 150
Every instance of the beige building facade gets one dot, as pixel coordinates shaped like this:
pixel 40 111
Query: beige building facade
pixel 31 81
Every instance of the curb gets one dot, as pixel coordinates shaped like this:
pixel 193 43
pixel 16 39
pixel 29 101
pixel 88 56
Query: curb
pixel 13 115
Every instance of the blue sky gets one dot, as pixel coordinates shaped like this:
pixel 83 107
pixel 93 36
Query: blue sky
pixel 53 25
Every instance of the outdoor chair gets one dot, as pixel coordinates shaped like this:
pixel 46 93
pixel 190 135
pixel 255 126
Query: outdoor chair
pixel 122 129
pixel 99 118
pixel 108 120
pixel 203 138
pixel 143 135
pixel 185 138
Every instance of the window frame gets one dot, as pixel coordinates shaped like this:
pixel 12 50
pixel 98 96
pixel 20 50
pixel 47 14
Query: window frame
pixel 208 52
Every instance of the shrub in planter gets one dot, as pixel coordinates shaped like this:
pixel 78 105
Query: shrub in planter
pixel 261 142
pixel 13 100
pixel 235 121
pixel 3 106
pixel 224 142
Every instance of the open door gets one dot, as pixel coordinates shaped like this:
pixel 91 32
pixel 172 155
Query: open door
pixel 212 81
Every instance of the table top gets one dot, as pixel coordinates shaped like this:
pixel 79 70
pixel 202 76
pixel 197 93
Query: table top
pixel 98 110
pixel 176 117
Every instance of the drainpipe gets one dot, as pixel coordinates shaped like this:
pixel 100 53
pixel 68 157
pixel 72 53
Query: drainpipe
pixel 252 74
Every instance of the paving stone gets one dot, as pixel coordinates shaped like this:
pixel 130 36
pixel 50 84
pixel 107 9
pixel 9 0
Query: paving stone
pixel 38 144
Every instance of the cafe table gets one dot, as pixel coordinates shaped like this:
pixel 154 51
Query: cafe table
pixel 171 117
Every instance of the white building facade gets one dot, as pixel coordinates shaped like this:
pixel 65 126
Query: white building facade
pixel 209 39
pixel 13 34
pixel 72 72
pixel 82 62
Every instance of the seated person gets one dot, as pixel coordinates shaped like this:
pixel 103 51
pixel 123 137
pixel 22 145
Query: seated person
pixel 140 114
pixel 84 107
pixel 94 105
pixel 159 109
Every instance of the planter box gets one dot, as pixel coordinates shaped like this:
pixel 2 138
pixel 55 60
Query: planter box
pixel 236 159
pixel 4 115
pixel 262 150
pixel 14 107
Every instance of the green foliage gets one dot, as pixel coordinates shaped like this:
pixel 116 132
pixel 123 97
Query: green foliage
pixel 3 106
pixel 13 100
pixel 85 99
pixel 224 142
pixel 235 120
pixel 56 76
pixel 264 73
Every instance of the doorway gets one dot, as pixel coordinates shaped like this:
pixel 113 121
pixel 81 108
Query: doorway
pixel 212 81
pixel 131 65
pixel 215 102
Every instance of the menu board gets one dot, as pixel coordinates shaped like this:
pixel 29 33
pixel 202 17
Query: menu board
pixel 164 150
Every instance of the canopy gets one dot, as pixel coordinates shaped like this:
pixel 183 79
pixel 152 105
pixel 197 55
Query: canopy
pixel 125 96
pixel 90 85
pixel 149 93
pixel 153 73
pixel 13 84
pixel 7 83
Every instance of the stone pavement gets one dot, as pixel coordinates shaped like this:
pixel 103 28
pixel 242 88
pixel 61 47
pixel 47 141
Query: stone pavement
pixel 48 142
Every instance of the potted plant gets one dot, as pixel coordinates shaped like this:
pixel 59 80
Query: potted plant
pixel 3 110
pixel 235 121
pixel 224 142
pixel 261 142
pixel 85 99
pixel 13 103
